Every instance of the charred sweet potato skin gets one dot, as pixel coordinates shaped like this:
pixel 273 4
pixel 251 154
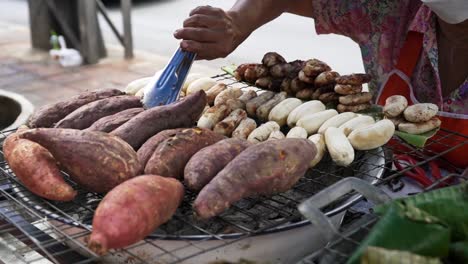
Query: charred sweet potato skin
pixel 86 115
pixel 36 169
pixel 109 123
pixel 146 150
pixel 266 168
pixel 171 156
pixel 48 115
pixel 206 163
pixel 134 208
pixel 184 113
pixel 97 161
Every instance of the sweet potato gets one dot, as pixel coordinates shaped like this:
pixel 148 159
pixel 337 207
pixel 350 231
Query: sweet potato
pixel 9 142
pixel 36 169
pixel 144 153
pixel 50 114
pixel 152 121
pixel 97 161
pixel 86 115
pixel 206 163
pixel 109 123
pixel 133 210
pixel 171 156
pixel 266 168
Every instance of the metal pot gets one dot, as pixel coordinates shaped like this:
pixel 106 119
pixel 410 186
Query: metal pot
pixel 15 110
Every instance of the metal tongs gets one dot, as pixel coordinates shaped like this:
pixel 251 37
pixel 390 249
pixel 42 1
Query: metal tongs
pixel 166 90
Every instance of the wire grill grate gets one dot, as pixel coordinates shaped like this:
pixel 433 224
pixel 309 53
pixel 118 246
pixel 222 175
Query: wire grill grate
pixel 64 227
pixel 347 241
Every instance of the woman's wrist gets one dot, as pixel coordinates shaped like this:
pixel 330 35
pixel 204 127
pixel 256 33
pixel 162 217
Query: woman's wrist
pixel 242 28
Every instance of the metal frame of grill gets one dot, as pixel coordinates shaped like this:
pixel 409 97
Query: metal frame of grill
pixel 340 249
pixel 64 239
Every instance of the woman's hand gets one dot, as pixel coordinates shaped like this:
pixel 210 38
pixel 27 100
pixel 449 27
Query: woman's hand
pixel 211 33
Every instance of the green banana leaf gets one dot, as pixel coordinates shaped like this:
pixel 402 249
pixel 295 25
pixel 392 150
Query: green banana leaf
pixel 376 255
pixel 449 204
pixel 418 141
pixel 229 69
pixel 459 252
pixel 405 227
pixel 375 111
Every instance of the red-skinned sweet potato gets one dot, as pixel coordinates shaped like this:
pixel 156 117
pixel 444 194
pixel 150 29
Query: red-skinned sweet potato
pixel 266 168
pixel 171 156
pixel 184 113
pixel 133 210
pixel 95 160
pixel 144 152
pixel 36 169
pixel 109 123
pixel 48 115
pixel 206 163
pixel 86 115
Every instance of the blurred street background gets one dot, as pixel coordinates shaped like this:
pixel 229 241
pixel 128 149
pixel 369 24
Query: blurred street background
pixel 154 21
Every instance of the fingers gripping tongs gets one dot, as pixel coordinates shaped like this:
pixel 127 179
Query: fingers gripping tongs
pixel 166 90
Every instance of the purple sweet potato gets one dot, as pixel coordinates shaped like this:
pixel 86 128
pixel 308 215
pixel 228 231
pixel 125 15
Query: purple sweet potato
pixel 109 123
pixel 50 114
pixel 36 169
pixel 206 163
pixel 266 168
pixel 95 160
pixel 133 210
pixel 144 152
pixel 171 156
pixel 184 113
pixel 86 115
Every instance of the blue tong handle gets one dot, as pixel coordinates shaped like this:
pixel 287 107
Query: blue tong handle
pixel 167 88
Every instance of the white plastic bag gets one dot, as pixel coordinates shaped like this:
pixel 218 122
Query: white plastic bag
pixel 66 57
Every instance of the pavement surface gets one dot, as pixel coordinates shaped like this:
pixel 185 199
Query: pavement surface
pixel 41 80
pixel 154 21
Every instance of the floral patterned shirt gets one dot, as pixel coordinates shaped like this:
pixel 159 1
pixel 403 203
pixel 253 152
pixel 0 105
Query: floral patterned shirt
pixel 380 29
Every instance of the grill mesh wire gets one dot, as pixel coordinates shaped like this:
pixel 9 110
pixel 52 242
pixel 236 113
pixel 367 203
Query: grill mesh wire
pixel 59 241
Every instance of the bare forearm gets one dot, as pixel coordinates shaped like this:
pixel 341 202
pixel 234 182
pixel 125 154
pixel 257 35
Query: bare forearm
pixel 213 33
pixel 252 14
